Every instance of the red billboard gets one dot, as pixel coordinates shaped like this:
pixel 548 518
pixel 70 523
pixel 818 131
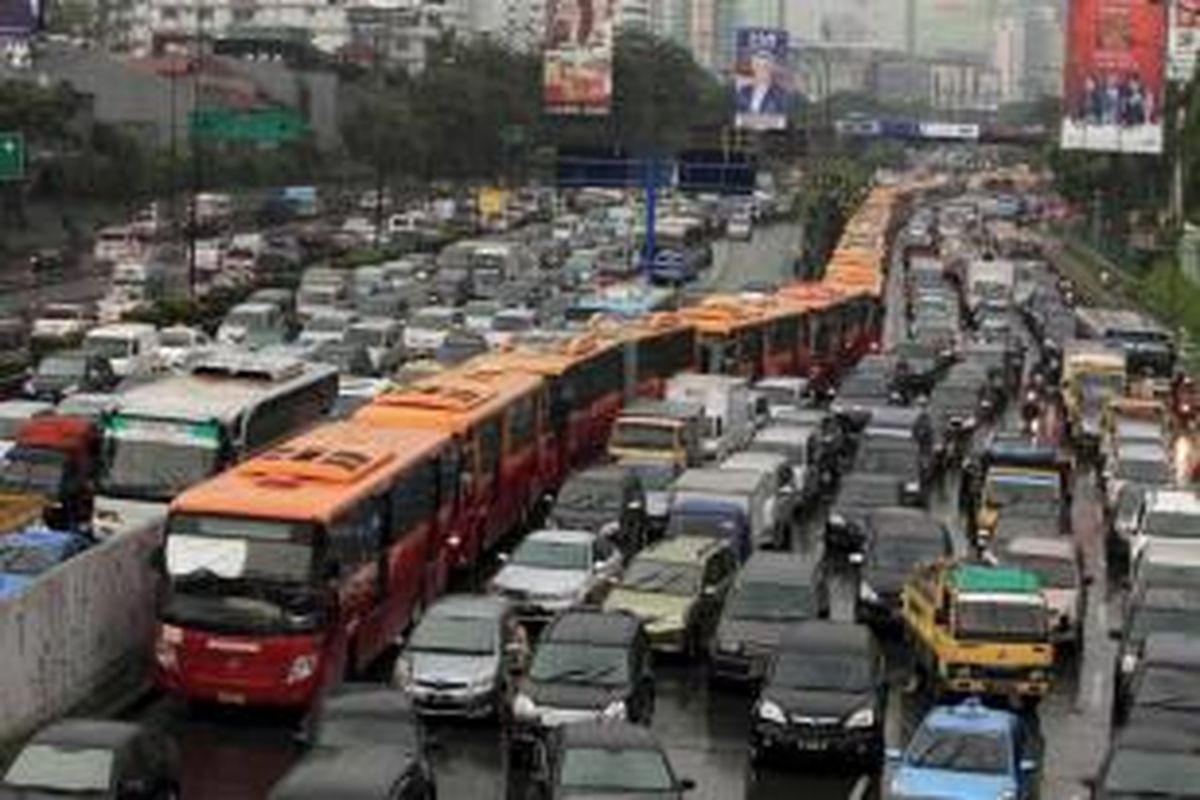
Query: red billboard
pixel 577 62
pixel 1113 78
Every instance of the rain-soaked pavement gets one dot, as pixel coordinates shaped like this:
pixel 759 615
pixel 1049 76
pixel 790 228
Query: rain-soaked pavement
pixel 238 756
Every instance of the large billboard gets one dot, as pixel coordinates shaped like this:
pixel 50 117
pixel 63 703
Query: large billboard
pixel 762 81
pixel 1185 39
pixel 19 17
pixel 1113 78
pixel 577 71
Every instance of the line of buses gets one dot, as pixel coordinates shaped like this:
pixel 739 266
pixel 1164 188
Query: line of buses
pixel 304 562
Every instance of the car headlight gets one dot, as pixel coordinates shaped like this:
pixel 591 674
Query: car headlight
pixel 302 668
pixel 523 707
pixel 614 710
pixel 1129 663
pixel 1007 794
pixel 1037 675
pixel 402 674
pixel 867 594
pixel 837 521
pixel 729 647
pixel 863 718
pixel 771 712
pixel 912 487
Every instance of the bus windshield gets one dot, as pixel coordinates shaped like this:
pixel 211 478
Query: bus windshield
pixel 645 436
pixel 153 460
pixel 241 575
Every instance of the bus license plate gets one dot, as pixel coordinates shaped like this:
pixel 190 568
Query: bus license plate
pixel 231 698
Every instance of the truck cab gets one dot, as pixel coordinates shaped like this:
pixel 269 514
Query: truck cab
pixel 727 404
pixel 130 347
pixel 980 630
pixel 55 459
pixel 1092 375
pixel 659 431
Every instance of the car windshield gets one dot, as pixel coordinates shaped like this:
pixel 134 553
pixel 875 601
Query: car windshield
pixel 33 470
pixel 899 458
pixel 61 769
pixel 170 338
pixel 644 436
pixel 901 553
pixel 654 477
pixel 367 337
pixel 833 672
pixel 155 461
pixel 772 602
pixel 62 313
pixel 959 751
pixel 318 296
pixel 1150 619
pixel 511 323
pixel 548 554
pixel 1148 471
pixel 1055 573
pixel 1135 774
pixel 580 662
pixel 1016 619
pixel 778 395
pixel 327 324
pixel 439 633
pixel 1172 524
pixel 248 319
pixel 627 770
pixel 108 346
pixel 1003 492
pixel 662 577
pixel 62 367
pixel 590 495
pixel 436 319
pixel 867 493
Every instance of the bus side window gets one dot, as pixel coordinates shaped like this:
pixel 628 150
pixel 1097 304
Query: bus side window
pixel 489 447
pixel 414 499
pixel 520 425
pixel 449 475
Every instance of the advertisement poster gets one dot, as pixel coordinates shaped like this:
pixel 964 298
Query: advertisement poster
pixel 577 68
pixel 19 17
pixel 1185 39
pixel 762 82
pixel 1113 77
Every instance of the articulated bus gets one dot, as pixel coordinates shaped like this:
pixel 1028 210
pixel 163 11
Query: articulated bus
pixel 729 336
pixel 174 432
pixel 654 347
pixel 499 421
pixel 301 564
pixel 584 375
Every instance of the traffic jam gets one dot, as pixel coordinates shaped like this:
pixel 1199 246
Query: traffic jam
pixel 465 535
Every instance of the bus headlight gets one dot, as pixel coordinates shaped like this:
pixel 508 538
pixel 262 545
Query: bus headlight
pixel 302 668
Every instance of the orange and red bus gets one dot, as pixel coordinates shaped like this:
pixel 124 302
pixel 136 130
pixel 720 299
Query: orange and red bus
pixel 654 348
pixel 499 421
pixel 301 564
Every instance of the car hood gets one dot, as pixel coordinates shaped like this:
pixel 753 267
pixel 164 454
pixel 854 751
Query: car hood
pixel 936 784
pixel 830 704
pixel 755 634
pixel 573 696
pixel 531 580
pixel 649 606
pixel 579 518
pixel 452 668
pixel 884 580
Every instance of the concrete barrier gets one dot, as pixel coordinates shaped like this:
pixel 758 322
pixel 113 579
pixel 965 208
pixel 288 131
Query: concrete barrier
pixel 76 631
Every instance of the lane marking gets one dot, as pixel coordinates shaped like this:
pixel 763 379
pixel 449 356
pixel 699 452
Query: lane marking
pixel 860 788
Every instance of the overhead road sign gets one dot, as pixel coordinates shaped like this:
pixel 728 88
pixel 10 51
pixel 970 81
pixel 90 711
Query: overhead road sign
pixel 275 125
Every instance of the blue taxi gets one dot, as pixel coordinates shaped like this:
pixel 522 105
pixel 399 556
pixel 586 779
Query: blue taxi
pixel 965 752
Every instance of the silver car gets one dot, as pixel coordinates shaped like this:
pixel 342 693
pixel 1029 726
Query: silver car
pixel 555 570
pixel 461 658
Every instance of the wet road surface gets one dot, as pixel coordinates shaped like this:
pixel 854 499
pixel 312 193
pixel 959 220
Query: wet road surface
pixel 238 756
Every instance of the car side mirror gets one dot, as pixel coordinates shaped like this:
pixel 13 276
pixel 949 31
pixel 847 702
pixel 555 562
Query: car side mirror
pixel 686 784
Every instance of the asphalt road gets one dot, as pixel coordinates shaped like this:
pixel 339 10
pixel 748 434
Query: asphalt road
pixel 237 756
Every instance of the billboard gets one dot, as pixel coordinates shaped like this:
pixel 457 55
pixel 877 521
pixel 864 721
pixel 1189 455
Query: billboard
pixel 1185 39
pixel 762 82
pixel 19 17
pixel 1113 78
pixel 577 66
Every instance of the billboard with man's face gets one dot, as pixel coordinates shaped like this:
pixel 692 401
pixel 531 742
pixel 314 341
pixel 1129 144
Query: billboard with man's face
pixel 762 82
pixel 19 17
pixel 577 67
pixel 1185 39
pixel 1113 77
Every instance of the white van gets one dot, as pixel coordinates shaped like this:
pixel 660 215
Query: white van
pixel 727 403
pixel 130 347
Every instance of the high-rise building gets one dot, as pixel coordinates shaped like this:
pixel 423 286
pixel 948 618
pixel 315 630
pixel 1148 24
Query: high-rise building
pixel 1009 57
pixel 879 24
pixel 954 28
pixel 1044 43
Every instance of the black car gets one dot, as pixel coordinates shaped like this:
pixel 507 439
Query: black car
pixel 611 759
pixel 861 391
pixel 69 372
pixel 588 665
pixel 898 454
pixel 96 759
pixel 959 405
pixel 608 501
pixel 357 715
pixel 858 495
pixel 1152 610
pixel 825 693
pixel 771 592
pixel 898 540
pixel 379 771
pixel 1166 658
pixel 919 366
pixel 835 443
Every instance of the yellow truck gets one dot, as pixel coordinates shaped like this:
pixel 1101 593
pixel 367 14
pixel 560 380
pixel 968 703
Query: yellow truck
pixel 979 630
pixel 658 430
pixel 1093 374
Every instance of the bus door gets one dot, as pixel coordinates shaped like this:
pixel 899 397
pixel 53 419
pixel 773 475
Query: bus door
pixel 519 478
pixel 550 464
pixel 356 560
pixel 439 557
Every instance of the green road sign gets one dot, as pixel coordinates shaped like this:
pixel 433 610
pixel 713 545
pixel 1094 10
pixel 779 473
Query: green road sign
pixel 224 125
pixel 12 156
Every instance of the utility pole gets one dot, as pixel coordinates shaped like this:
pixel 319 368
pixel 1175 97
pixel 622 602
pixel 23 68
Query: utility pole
pixel 382 37
pixel 195 140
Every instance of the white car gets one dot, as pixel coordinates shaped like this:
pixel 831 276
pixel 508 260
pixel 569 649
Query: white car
pixel 554 570
pixel 427 329
pixel 326 326
pixel 130 347
pixel 179 344
pixel 62 321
